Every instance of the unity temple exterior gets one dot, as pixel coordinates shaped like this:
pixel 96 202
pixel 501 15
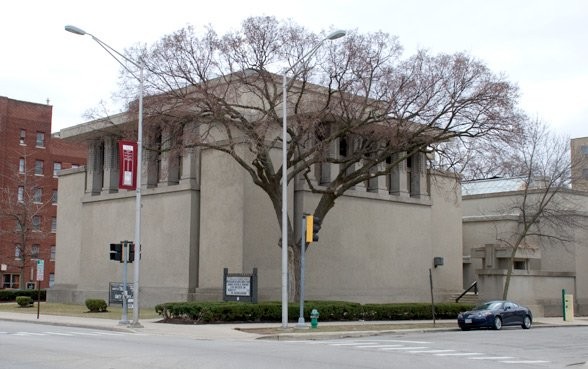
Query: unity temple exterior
pixel 201 213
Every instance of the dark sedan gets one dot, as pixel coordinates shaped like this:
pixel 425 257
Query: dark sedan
pixel 495 315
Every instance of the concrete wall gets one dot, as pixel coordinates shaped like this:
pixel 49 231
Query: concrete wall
pixel 169 242
pixel 373 247
pixel 560 266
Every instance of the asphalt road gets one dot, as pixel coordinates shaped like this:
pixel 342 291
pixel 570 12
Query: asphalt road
pixel 25 345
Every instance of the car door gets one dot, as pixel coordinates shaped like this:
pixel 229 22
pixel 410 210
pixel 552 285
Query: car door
pixel 509 313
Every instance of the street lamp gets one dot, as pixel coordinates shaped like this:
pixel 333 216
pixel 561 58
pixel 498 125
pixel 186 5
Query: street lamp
pixel 332 36
pixel 112 52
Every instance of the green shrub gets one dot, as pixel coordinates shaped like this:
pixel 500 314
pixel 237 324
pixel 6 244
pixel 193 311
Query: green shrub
pixel 10 295
pixel 213 312
pixel 96 305
pixel 24 301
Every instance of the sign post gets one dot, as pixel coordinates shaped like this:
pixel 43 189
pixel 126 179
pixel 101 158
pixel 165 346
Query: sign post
pixel 40 274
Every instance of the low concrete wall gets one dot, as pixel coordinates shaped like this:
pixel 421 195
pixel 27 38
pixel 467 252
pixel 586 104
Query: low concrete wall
pixel 539 290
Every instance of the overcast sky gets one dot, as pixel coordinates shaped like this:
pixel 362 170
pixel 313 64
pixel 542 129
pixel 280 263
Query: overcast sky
pixel 542 45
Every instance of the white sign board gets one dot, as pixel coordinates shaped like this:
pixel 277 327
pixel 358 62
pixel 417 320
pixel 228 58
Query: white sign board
pixel 238 286
pixel 40 269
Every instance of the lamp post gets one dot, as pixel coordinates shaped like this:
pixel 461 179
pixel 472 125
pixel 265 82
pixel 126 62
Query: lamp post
pixel 114 53
pixel 332 36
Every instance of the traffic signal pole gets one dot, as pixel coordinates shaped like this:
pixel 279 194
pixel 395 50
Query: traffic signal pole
pixel 301 323
pixel 124 320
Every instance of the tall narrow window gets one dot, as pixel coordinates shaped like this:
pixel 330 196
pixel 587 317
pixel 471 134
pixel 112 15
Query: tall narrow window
pixel 22 136
pixel 39 167
pixel 38 195
pixel 18 251
pixel 40 139
pixel 35 251
pixel 53 225
pixel 36 223
pixel 51 280
pixel 56 168
pixel 54 197
pixel 20 195
pixel 21 165
pixel 52 255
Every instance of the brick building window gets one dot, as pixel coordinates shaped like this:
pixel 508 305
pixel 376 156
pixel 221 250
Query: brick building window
pixel 22 136
pixel 54 197
pixel 35 251
pixel 38 195
pixel 18 251
pixel 11 281
pixel 53 225
pixel 38 167
pixel 56 168
pixel 21 165
pixel 36 223
pixel 40 139
pixel 52 255
pixel 51 280
pixel 20 194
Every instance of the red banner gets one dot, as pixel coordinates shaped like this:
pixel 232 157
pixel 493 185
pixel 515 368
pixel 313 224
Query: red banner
pixel 127 179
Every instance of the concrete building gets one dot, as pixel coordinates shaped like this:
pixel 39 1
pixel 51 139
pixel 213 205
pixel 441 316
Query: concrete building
pixel 201 213
pixel 579 150
pixel 30 160
pixel 542 267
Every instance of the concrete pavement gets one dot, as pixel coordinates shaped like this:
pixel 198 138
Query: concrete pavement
pixel 243 331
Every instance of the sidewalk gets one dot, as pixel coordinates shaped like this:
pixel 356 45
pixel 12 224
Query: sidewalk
pixel 245 331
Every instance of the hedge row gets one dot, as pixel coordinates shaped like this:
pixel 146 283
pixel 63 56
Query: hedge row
pixel 10 295
pixel 213 312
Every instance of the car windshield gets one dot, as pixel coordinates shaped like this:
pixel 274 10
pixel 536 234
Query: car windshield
pixel 492 305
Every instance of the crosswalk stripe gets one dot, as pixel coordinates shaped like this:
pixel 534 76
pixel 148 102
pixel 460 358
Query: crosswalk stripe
pixel 403 348
pixel 430 351
pixel 491 358
pixel 460 354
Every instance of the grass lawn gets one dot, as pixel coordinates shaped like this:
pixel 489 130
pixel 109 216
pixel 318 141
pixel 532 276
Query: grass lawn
pixel 49 308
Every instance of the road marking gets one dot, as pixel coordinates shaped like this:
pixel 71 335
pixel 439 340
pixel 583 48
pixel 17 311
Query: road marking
pixel 491 358
pixel 352 343
pixel 377 346
pixel 407 348
pixel 430 351
pixel 460 354
pixel 402 341
pixel 28 334
pixel 58 334
pixel 525 362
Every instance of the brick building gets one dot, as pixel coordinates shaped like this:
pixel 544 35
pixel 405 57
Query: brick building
pixel 30 160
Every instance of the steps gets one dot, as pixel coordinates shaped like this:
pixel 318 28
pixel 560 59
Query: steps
pixel 468 298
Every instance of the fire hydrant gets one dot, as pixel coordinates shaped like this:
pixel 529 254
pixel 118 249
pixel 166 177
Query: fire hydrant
pixel 314 315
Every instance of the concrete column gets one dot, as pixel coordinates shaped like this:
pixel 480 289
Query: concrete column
pixel 94 167
pixel 151 161
pixel 110 177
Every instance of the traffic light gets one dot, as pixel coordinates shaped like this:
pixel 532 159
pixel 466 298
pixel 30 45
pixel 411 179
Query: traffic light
pixel 313 225
pixel 131 246
pixel 116 251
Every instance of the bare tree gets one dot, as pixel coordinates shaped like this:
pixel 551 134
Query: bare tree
pixel 23 201
pixel 227 91
pixel 544 161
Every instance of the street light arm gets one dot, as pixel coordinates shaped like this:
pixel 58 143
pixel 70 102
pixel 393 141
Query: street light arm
pixel 110 50
pixel 332 36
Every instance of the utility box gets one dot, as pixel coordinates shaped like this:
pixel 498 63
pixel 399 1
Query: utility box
pixel 568 300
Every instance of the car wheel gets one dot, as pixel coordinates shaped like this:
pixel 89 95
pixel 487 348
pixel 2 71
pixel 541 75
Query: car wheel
pixel 526 322
pixel 497 323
